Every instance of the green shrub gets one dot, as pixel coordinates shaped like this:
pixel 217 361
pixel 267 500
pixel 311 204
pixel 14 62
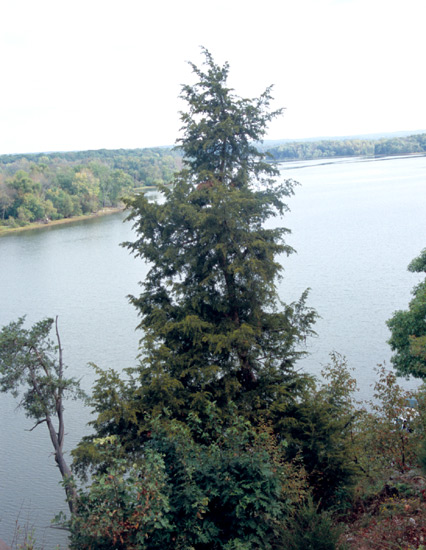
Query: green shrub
pixel 123 509
pixel 321 434
pixel 186 489
pixel 310 529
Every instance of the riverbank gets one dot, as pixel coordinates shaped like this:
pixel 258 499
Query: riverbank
pixel 40 225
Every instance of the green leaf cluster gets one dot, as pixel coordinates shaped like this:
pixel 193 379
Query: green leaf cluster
pixel 322 430
pixel 408 329
pixel 186 492
pixel 125 508
pixel 30 368
pixel 393 426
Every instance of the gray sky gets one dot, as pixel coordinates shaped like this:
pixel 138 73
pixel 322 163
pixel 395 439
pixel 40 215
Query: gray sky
pixel 90 74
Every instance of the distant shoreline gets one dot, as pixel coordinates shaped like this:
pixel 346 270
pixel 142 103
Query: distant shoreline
pixel 41 225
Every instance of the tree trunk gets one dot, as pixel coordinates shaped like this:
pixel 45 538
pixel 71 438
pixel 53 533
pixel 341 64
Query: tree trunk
pixel 63 467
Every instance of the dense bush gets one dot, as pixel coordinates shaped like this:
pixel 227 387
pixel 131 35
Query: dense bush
pixel 186 489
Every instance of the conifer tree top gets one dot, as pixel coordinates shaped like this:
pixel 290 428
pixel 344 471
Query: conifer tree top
pixel 220 129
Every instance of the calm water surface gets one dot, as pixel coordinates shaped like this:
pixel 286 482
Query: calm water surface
pixel 356 224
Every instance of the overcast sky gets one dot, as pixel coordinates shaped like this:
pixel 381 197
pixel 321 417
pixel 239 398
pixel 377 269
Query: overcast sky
pixel 90 74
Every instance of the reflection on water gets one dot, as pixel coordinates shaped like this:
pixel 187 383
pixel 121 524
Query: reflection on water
pixel 355 225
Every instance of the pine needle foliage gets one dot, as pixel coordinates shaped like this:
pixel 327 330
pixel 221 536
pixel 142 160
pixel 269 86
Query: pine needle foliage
pixel 213 326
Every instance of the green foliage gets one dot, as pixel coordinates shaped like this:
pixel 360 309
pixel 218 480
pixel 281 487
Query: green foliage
pixel 421 455
pixel 321 432
pixel 125 508
pixel 311 529
pixel 32 365
pixel 419 426
pixel 184 491
pixel 227 491
pixel 29 365
pixel 65 205
pixel 212 326
pixel 330 148
pixel 219 129
pixel 24 199
pixel 408 329
pixel 23 184
pixel 115 412
pixel 60 185
pixel 392 428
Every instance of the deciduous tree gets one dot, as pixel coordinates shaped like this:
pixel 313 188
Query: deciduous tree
pixel 31 366
pixel 408 328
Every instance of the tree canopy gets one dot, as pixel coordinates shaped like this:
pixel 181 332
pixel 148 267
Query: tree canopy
pixel 31 365
pixel 347 147
pixel 408 328
pixel 44 187
pixel 213 326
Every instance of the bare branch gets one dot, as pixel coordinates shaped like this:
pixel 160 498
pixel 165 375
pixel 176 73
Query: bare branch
pixel 35 426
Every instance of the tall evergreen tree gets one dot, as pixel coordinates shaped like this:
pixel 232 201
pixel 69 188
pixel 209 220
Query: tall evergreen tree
pixel 218 344
pixel 213 326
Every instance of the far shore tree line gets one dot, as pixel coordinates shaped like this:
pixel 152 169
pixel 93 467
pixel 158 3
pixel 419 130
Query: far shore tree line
pixel 329 148
pixel 53 186
pixel 44 187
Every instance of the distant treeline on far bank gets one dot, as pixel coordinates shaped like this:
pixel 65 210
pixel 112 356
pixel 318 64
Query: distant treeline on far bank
pixel 329 148
pixel 53 186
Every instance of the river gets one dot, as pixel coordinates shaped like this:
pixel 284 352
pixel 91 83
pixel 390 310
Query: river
pixel 356 224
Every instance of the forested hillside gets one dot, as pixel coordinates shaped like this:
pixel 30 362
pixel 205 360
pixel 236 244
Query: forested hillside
pixel 44 187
